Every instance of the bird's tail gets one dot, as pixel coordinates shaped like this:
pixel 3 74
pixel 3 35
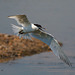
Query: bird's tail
pixel 58 52
pixel 15 28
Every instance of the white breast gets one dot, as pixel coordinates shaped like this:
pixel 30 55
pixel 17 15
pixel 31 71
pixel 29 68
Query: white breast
pixel 30 28
pixel 34 27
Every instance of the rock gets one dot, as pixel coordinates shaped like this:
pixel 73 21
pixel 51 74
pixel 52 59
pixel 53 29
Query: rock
pixel 12 46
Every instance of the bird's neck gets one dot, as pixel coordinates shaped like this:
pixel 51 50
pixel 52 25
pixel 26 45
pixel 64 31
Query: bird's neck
pixel 30 28
pixel 34 27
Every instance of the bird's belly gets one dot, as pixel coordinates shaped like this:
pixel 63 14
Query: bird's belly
pixel 28 29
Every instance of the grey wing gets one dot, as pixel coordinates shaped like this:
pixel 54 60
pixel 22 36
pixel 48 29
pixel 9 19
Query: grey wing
pixel 21 19
pixel 58 52
pixel 25 36
pixel 53 44
pixel 43 36
pixel 16 29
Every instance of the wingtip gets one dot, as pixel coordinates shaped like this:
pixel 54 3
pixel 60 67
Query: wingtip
pixel 70 64
pixel 8 16
pixel 12 17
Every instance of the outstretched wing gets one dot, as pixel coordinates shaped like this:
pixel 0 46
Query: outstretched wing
pixel 16 29
pixel 53 44
pixel 21 19
pixel 58 52
pixel 43 36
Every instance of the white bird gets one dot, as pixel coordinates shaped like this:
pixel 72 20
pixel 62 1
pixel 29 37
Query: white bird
pixel 29 29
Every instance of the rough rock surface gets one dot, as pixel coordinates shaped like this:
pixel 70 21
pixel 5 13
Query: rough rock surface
pixel 12 46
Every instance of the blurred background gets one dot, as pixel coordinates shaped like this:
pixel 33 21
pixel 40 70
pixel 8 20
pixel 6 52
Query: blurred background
pixel 57 16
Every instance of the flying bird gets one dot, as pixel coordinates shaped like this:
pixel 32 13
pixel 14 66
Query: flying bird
pixel 37 31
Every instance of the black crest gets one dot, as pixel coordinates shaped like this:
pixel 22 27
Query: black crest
pixel 39 26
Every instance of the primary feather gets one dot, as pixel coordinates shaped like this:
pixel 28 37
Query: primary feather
pixel 55 47
pixel 53 44
pixel 15 28
pixel 18 30
pixel 21 20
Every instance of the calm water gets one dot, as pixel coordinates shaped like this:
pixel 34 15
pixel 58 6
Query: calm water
pixel 58 17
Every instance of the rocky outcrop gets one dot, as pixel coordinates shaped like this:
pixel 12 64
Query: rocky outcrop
pixel 12 46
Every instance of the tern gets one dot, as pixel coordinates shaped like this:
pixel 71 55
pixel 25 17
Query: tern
pixel 37 31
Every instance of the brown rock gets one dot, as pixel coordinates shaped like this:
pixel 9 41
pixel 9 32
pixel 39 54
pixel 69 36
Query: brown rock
pixel 12 46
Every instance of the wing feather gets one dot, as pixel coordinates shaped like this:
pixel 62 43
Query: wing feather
pixel 21 20
pixel 43 36
pixel 58 52
pixel 53 44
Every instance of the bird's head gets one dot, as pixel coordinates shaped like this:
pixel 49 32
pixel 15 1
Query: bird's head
pixel 39 26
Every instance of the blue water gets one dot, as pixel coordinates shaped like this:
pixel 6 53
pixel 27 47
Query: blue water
pixel 58 17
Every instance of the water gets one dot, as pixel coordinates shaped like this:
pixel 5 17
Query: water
pixel 58 17
pixel 40 64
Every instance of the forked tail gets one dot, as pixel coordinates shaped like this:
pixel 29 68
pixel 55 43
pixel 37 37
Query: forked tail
pixel 17 30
